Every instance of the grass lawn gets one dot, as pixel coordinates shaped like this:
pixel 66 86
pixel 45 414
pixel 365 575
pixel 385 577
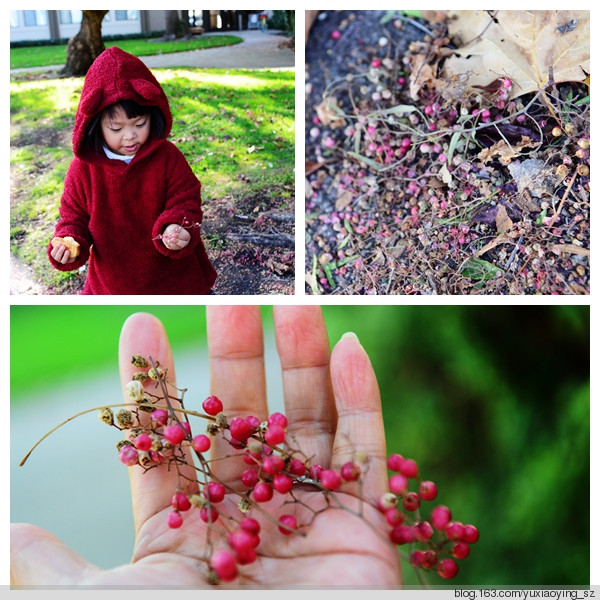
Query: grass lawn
pixel 42 56
pixel 236 129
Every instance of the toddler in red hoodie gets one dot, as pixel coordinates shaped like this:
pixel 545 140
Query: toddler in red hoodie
pixel 131 204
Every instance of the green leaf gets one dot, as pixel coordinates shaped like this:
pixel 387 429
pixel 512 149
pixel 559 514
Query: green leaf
pixel 454 140
pixel 480 270
pixel 327 270
pixel 367 161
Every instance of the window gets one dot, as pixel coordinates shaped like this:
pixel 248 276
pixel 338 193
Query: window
pixel 35 18
pixel 14 18
pixel 127 15
pixel 68 17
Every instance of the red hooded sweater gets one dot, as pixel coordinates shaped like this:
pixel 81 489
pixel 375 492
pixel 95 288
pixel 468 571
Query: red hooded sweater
pixel 116 211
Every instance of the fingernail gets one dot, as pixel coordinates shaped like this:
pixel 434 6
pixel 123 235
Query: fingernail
pixel 350 335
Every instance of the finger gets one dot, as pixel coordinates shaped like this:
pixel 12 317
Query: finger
pixel 237 372
pixel 152 490
pixel 360 422
pixel 39 558
pixel 303 348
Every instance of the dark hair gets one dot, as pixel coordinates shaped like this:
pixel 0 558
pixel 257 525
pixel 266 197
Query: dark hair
pixel 94 139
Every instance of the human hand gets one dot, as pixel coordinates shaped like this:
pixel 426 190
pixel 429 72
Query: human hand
pixel 175 237
pixel 60 253
pixel 333 410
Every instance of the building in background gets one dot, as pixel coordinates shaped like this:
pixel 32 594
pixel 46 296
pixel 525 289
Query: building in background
pixel 40 25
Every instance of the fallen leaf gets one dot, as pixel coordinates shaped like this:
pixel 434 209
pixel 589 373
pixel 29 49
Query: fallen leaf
pixel 504 151
pixel 310 166
pixel 503 221
pixel 444 174
pixel 328 113
pixel 344 198
pixel 570 249
pixel 534 176
pixel 533 48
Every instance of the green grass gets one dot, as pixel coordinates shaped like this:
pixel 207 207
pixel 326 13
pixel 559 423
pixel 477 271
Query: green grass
pixel 235 127
pixel 43 56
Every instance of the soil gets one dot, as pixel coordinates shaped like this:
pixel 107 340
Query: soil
pixel 368 233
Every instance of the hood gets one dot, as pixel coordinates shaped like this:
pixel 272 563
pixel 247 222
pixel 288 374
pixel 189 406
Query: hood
pixel 117 75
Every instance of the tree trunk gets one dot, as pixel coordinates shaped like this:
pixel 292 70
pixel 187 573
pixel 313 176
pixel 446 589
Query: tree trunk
pixel 176 27
pixel 85 46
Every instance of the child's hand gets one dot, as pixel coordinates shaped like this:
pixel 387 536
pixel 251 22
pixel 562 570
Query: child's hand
pixel 175 237
pixel 60 253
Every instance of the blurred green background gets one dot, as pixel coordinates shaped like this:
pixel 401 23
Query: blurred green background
pixel 492 401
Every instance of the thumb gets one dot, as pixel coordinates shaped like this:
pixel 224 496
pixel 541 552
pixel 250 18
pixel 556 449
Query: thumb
pixel 39 558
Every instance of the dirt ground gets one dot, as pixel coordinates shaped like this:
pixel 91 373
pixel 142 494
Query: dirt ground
pixel 426 227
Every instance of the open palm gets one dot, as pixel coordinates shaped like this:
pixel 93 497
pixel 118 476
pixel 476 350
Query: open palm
pixel 333 409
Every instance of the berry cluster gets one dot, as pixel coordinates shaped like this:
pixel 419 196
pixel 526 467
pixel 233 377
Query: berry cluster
pixel 159 433
pixel 442 539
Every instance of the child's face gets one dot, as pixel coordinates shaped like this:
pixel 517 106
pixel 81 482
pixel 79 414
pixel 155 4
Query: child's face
pixel 124 135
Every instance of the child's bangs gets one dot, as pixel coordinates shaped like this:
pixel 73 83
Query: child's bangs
pixel 131 108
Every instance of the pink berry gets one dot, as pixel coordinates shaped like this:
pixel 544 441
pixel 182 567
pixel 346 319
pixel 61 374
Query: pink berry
pixel 331 479
pixel 262 492
pixel 455 531
pixel 245 556
pixel 249 477
pixel 201 443
pixel 273 464
pixel 212 406
pixel 288 522
pixel 440 517
pixel 417 558
pixel 275 434
pixel 350 471
pixel 402 534
pixel 430 559
pixel 223 564
pixel 240 429
pixel 336 35
pixel 253 421
pixel 251 525
pixel 394 517
pixel 460 550
pixel 240 540
pixel 395 460
pixel 214 491
pixel 398 484
pixel 409 468
pixel 470 534
pixel 160 416
pixel 251 458
pixel 447 568
pixel 427 490
pixel 128 455
pixel 424 531
pixel 376 63
pixel 411 501
pixel 507 83
pixel 174 434
pixel 282 483
pixel 315 472
pixel 277 418
pixel 209 515
pixel 180 502
pixel 143 442
pixel 174 520
pixel 296 467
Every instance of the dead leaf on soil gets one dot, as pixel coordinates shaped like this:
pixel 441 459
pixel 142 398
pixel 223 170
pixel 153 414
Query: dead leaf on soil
pixel 570 249
pixel 534 176
pixel 503 221
pixel 328 113
pixel 533 48
pixel 504 151
pixel 344 198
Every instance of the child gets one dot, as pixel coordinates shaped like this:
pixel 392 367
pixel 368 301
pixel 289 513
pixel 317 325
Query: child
pixel 131 203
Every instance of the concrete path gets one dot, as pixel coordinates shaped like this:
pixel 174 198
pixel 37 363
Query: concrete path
pixel 258 50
